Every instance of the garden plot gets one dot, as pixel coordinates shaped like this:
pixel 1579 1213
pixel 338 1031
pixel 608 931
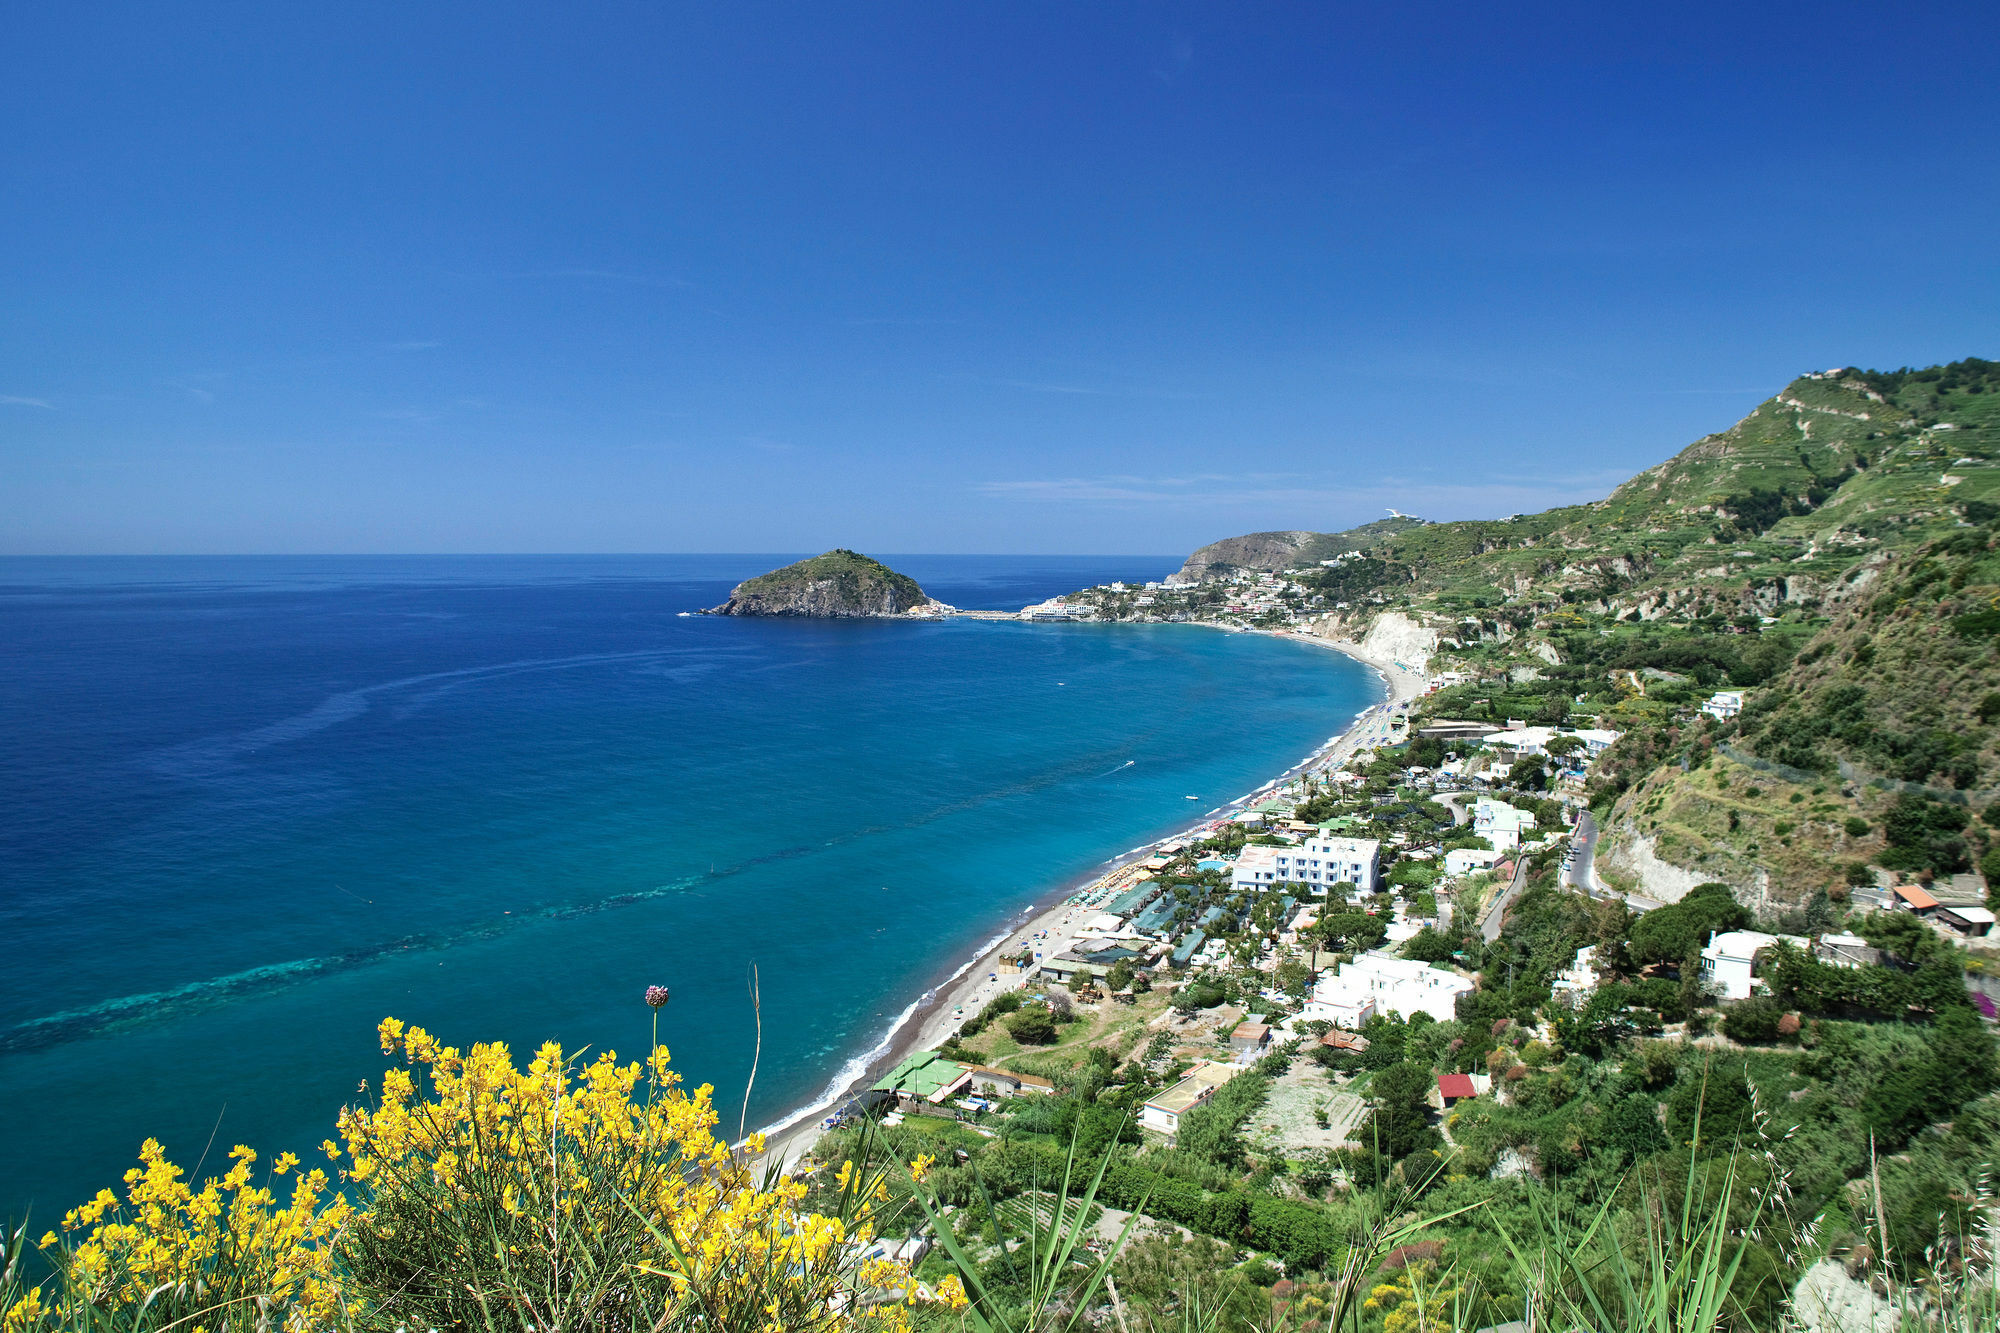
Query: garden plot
pixel 1287 1121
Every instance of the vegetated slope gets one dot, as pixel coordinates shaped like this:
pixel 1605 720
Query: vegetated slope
pixel 1873 747
pixel 1284 550
pixel 1832 552
pixel 1778 510
pixel 841 583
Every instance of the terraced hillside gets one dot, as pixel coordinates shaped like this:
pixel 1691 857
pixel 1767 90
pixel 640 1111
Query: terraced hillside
pixel 1833 553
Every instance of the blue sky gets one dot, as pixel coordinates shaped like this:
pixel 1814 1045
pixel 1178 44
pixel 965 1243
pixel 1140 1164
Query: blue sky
pixel 933 277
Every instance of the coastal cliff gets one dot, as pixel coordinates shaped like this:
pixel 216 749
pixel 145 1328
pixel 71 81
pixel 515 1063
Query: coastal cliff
pixel 840 584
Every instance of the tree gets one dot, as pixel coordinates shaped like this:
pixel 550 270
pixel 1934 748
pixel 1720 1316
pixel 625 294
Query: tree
pixel 1923 833
pixel 1671 933
pixel 1214 1129
pixel 1562 747
pixel 1719 1095
pixel 1430 945
pixel 1599 1027
pixel 1293 977
pixel 1033 1025
pixel 1401 1123
pixel 1351 931
pixel 1754 1021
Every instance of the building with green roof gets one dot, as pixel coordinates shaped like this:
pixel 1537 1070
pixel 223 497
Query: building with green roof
pixel 922 1076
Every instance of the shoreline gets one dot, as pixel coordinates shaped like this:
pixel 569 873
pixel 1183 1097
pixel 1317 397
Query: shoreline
pixel 942 1007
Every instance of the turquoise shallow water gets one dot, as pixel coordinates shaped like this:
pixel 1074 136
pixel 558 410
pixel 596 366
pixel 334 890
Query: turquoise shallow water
pixel 255 805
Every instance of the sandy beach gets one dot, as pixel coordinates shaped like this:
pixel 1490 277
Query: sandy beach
pixel 1057 921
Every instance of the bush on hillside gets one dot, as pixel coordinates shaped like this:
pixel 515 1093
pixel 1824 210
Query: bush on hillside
pixel 1669 934
pixel 471 1185
pixel 1034 1025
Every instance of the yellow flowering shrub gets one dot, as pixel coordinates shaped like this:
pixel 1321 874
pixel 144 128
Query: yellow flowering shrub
pixel 229 1255
pixel 568 1195
pixel 1414 1301
pixel 477 1195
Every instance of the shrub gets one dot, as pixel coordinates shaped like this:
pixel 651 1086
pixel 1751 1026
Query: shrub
pixel 1033 1026
pixel 1753 1021
pixel 482 1195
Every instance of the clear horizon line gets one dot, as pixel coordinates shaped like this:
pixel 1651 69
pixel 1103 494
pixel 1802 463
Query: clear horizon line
pixel 517 555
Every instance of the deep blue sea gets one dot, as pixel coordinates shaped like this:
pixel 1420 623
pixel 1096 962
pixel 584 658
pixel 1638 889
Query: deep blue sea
pixel 249 806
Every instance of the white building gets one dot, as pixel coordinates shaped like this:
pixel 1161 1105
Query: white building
pixel 1383 983
pixel 1731 962
pixel 1500 823
pixel 1320 860
pixel 1164 1111
pixel 1724 704
pixel 1577 982
pixel 1535 740
pixel 1465 860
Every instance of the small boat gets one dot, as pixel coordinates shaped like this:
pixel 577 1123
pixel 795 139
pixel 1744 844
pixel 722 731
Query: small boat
pixel 1191 798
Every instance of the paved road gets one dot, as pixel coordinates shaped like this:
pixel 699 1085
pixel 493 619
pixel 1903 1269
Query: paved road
pixel 1582 871
pixel 1496 915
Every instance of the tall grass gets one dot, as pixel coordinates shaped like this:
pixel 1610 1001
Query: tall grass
pixel 474 1195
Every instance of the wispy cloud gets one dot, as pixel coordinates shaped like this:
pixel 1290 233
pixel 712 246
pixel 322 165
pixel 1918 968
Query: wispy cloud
pixel 195 386
pixel 1284 496
pixel 1175 61
pixel 1198 488
pixel 15 400
pixel 602 275
pixel 895 322
pixel 413 345
pixel 1081 390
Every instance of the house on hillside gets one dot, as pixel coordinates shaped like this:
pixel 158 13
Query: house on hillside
pixel 1163 1111
pixel 1963 919
pixel 1732 961
pixel 991 1082
pixel 1912 898
pixel 923 1079
pixel 1724 704
pixel 1465 860
pixel 1500 823
pixel 1844 950
pixel 1381 982
pixel 1579 980
pixel 1249 1041
pixel 1455 1088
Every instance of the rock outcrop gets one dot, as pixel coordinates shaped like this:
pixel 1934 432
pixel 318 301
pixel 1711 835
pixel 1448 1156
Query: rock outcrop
pixel 840 584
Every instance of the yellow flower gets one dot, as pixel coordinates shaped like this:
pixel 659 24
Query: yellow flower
pixel 472 1135
pixel 25 1314
pixel 951 1293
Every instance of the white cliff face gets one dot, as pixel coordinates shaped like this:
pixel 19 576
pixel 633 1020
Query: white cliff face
pixel 1628 852
pixel 1400 638
pixel 1827 1300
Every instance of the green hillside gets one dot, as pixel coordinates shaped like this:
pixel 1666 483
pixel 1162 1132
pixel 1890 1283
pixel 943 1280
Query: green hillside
pixel 1833 553
pixel 840 583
